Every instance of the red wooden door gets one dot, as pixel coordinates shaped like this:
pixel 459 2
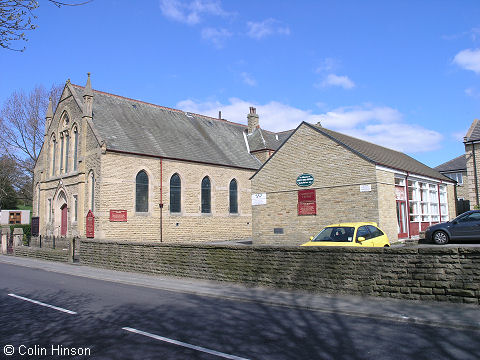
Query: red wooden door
pixel 63 227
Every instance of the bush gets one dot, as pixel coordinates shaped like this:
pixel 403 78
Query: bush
pixel 27 231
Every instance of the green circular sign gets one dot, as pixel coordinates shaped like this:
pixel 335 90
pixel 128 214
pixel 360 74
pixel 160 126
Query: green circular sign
pixel 305 180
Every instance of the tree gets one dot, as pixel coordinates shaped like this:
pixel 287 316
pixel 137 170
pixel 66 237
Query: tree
pixel 22 129
pixel 16 17
pixel 8 196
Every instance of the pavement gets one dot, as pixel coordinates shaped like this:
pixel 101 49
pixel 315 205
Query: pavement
pixel 452 315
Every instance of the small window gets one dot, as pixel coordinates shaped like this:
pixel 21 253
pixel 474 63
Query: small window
pixel 141 194
pixel 233 197
pixel 15 218
pixel 206 195
pixel 376 232
pixel 75 207
pixel 175 194
pixel 363 232
pixel 278 231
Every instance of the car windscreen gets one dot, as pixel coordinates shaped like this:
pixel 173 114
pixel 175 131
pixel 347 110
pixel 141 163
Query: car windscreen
pixel 336 233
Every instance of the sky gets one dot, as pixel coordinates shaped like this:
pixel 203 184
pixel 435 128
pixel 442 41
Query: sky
pixel 402 74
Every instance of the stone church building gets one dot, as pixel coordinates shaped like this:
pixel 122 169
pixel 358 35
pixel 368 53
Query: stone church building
pixel 144 171
pixel 117 168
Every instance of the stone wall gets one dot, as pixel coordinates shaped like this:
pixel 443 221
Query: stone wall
pixel 59 255
pixel 441 274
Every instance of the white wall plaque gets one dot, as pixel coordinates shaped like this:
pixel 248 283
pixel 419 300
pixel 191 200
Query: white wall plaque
pixel 365 188
pixel 259 199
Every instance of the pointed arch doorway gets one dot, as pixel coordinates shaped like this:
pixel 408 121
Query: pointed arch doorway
pixel 61 214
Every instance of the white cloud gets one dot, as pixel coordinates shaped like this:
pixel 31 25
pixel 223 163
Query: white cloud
pixel 216 36
pixel 248 79
pixel 259 30
pixel 381 125
pixel 468 59
pixel 190 12
pixel 337 80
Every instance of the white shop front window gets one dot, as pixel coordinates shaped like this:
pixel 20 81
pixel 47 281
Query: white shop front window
pixel 426 202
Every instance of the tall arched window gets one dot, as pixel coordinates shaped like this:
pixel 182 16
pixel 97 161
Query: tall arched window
pixel 75 147
pixel 54 151
pixel 38 200
pixel 206 195
pixel 175 194
pixel 233 197
pixel 91 190
pixel 67 146
pixel 62 144
pixel 141 192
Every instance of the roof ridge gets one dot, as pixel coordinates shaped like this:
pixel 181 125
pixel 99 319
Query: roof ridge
pixel 160 106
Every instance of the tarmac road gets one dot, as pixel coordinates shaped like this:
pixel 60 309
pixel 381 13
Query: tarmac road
pixel 76 308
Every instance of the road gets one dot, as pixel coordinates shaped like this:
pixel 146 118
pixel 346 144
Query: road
pixel 115 320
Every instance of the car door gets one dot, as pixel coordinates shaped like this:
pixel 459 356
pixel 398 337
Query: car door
pixel 377 236
pixel 364 232
pixel 467 227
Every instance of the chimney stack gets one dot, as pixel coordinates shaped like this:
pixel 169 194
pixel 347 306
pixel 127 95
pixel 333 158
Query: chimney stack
pixel 253 122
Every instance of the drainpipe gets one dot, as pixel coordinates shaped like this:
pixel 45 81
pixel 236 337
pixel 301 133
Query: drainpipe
pixel 408 205
pixel 475 173
pixel 161 200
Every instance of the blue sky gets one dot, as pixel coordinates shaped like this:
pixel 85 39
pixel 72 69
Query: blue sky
pixel 403 74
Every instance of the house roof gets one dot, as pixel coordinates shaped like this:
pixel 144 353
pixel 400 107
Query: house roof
pixel 261 139
pixel 381 155
pixel 459 163
pixel 474 132
pixel 376 154
pixel 134 126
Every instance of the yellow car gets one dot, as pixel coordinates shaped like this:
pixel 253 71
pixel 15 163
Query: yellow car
pixel 365 234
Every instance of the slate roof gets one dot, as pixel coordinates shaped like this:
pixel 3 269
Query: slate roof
pixel 133 126
pixel 261 139
pixel 474 131
pixel 381 155
pixel 457 164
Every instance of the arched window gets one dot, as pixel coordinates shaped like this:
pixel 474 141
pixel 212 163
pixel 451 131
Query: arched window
pixel 206 195
pixel 67 146
pixel 91 179
pixel 54 151
pixel 141 192
pixel 175 194
pixel 75 147
pixel 233 197
pixel 38 199
pixel 62 143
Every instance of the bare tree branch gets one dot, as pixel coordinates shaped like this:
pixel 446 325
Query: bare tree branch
pixel 22 126
pixel 17 17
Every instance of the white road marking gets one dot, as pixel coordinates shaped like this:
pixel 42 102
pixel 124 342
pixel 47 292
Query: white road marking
pixel 180 343
pixel 43 304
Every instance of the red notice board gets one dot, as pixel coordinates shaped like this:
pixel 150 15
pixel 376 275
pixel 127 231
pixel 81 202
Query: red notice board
pixel 118 215
pixel 90 225
pixel 307 202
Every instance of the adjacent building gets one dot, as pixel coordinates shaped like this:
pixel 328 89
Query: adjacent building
pixel 319 177
pixel 456 169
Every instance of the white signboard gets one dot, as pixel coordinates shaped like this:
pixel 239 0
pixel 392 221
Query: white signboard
pixel 259 199
pixel 365 188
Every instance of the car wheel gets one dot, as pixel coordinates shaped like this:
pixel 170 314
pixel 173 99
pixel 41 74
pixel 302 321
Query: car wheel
pixel 387 245
pixel 440 237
